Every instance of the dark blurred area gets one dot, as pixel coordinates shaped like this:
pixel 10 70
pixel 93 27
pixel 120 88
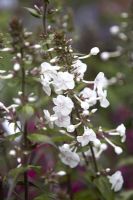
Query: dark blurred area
pixel 92 19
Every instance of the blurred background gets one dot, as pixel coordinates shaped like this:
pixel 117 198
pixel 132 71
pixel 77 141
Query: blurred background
pixel 91 22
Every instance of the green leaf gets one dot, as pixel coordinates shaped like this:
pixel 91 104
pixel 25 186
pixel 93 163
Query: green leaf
pixel 126 195
pixel 86 194
pixel 126 161
pixel 61 138
pixel 104 188
pixel 33 12
pixel 13 136
pixel 35 137
pixel 48 196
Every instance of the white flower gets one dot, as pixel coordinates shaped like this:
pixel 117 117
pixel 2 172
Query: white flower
pixel 89 95
pixel 79 69
pixel 94 51
pixel 102 98
pixel 97 150
pixel 46 85
pixel 61 173
pixel 88 136
pixel 49 71
pixel 114 30
pixel 64 105
pixel 62 121
pixel 116 181
pixel 49 118
pixel 63 81
pixel 12 128
pixel 100 81
pixel 122 130
pixel 71 128
pixel 84 105
pixel 16 66
pixel 68 157
pixel 118 150
pixel 105 56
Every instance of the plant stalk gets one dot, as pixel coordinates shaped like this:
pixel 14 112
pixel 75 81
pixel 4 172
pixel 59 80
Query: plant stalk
pixel 25 141
pixel 94 158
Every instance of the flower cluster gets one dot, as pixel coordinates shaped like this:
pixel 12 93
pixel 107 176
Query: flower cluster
pixel 73 102
pixel 73 108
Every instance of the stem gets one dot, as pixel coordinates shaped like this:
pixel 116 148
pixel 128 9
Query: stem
pixel 26 185
pixel 94 159
pixel 45 7
pixel 1 189
pixel 69 187
pixel 76 134
pixel 23 82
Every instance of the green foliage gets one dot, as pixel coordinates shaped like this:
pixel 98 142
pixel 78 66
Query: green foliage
pixel 35 137
pixel 104 188
pixel 33 12
pixel 126 195
pixel 27 111
pixel 47 196
pixel 12 137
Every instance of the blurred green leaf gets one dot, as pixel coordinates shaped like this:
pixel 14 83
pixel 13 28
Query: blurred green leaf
pixel 61 138
pixel 13 136
pixel 48 196
pixel 104 187
pixel 126 195
pixel 125 161
pixel 33 12
pixel 86 194
pixel 35 137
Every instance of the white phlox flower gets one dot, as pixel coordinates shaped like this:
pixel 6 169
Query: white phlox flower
pixel 72 127
pixel 11 128
pixel 68 157
pixel 62 121
pixel 102 94
pixel 89 95
pixel 98 150
pixel 49 118
pixel 63 105
pixel 46 85
pixel 114 30
pixel 49 71
pixel 105 56
pixel 94 51
pixel 84 104
pixel 121 129
pixel 88 136
pixel 100 81
pixel 63 81
pixel 116 181
pixel 79 69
